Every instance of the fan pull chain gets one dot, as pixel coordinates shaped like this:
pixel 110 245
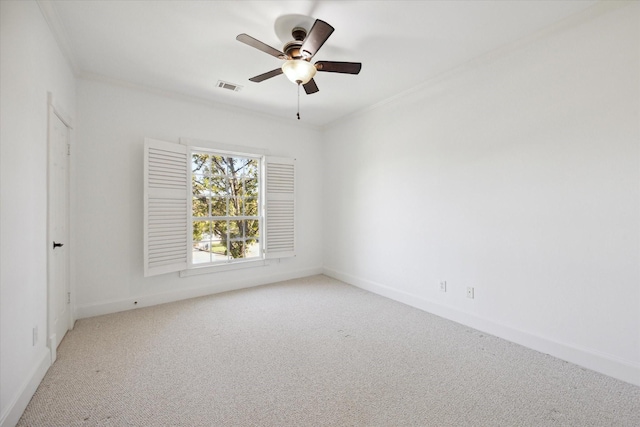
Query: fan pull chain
pixel 298 114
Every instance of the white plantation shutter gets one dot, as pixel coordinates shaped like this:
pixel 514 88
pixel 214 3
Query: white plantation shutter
pixel 166 207
pixel 279 207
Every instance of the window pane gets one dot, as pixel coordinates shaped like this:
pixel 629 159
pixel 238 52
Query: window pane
pixel 198 185
pixel 236 187
pixel 250 168
pixel 201 231
pixel 253 248
pixel 228 161
pixel 237 249
pixel 220 231
pixel 251 207
pixel 239 166
pixel 252 228
pixel 219 165
pixel 200 206
pixel 253 168
pixel 236 206
pixel 219 250
pixel 235 229
pixel 251 187
pixel 235 166
pixel 225 188
pixel 200 163
pixel 219 257
pixel 201 242
pixel 219 206
pixel 200 254
pixel 218 185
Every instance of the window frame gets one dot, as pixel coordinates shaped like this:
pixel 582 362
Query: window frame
pixel 229 264
pixel 168 207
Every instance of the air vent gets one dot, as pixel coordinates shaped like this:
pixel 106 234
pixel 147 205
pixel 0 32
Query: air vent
pixel 230 86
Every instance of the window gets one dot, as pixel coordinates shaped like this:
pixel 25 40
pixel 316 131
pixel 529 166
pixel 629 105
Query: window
pixel 205 209
pixel 225 216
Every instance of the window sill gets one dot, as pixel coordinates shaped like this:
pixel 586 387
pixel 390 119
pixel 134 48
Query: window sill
pixel 195 271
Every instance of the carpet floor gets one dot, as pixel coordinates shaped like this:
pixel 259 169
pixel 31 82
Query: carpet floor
pixel 311 352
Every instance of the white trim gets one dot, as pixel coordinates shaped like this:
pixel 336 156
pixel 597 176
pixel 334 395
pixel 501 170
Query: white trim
pixel 606 364
pixel 232 264
pixel 232 149
pixel 235 265
pixel 53 349
pixel 66 120
pixel 15 409
pixel 202 100
pixel 598 9
pixel 181 294
pixel 59 111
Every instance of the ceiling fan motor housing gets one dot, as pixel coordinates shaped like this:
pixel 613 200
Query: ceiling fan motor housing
pixel 292 49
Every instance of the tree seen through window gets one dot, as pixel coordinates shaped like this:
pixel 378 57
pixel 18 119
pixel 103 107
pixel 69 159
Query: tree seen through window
pixel 226 222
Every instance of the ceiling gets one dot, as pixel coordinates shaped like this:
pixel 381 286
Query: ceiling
pixel 185 47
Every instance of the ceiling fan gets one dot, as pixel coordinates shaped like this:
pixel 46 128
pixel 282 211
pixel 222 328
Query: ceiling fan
pixel 298 54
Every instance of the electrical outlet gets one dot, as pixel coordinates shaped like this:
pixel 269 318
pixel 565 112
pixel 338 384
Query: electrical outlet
pixel 470 292
pixel 443 286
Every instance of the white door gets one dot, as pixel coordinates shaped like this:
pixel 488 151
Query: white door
pixel 58 202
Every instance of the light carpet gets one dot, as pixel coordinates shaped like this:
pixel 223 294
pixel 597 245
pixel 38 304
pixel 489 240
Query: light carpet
pixel 311 352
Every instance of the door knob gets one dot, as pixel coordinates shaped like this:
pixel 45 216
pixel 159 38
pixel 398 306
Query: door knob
pixel 57 245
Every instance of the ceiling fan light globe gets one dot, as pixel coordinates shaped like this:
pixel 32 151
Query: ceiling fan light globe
pixel 299 71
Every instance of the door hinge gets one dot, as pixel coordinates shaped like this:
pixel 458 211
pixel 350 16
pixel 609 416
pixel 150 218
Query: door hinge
pixel 68 149
pixel 68 297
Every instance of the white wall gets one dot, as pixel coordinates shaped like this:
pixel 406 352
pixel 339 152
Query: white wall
pixel 31 65
pixel 517 175
pixel 113 122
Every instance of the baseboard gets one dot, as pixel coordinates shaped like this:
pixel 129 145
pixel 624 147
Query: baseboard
pixel 15 409
pixel 52 344
pixel 602 363
pixel 115 306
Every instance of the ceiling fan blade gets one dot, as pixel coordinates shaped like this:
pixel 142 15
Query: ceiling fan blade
pixel 319 33
pixel 267 75
pixel 310 87
pixel 248 40
pixel 339 67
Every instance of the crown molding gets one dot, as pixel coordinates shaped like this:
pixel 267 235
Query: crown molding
pixel 192 99
pixel 600 8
